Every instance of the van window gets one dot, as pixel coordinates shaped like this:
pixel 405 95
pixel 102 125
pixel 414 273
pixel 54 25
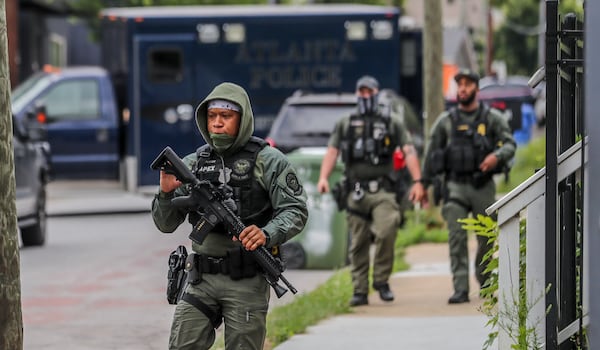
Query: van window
pixel 165 66
pixel 73 100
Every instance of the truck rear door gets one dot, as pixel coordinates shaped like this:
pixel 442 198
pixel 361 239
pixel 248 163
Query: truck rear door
pixel 164 99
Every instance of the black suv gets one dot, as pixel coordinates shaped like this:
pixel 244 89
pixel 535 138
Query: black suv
pixel 307 119
pixel 32 168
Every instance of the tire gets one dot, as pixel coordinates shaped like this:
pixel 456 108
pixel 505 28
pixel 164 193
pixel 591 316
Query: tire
pixel 293 255
pixel 35 235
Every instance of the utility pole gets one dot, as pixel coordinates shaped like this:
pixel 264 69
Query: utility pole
pixel 433 49
pixel 489 49
pixel 11 320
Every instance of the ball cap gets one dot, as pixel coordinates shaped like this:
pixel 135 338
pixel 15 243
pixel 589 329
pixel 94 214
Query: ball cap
pixel 368 82
pixel 467 73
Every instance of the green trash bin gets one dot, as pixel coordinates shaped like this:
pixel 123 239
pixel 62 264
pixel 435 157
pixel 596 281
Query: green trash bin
pixel 324 242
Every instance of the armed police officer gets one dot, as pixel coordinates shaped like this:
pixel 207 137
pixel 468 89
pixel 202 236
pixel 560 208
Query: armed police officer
pixel 468 144
pixel 271 203
pixel 367 141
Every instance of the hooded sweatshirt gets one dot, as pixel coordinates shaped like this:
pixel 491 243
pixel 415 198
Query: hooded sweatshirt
pixel 272 171
pixel 234 93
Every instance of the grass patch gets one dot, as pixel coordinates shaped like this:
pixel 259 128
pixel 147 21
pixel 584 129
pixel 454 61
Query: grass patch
pixel 329 299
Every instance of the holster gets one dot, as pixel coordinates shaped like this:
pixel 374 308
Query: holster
pixel 339 191
pixel 480 179
pixel 440 191
pixel 176 276
pixel 399 182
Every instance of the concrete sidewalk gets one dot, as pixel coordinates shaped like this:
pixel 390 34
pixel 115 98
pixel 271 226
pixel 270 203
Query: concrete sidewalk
pixel 418 318
pixel 68 198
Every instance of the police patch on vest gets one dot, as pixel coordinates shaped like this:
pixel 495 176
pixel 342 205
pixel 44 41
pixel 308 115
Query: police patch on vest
pixel 293 184
pixel 241 169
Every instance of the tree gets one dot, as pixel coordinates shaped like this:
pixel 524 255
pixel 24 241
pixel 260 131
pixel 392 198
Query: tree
pixel 516 42
pixel 433 63
pixel 11 321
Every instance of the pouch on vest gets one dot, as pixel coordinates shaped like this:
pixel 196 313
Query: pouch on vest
pixel 241 264
pixel 192 268
pixel 461 159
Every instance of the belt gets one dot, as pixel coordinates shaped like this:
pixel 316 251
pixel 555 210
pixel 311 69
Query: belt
pixel 373 185
pixel 461 178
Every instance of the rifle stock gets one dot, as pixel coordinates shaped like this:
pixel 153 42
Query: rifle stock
pixel 216 207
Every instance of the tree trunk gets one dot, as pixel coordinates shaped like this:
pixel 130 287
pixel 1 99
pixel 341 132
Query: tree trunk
pixel 433 50
pixel 11 321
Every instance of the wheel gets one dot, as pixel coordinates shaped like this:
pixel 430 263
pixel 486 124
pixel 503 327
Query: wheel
pixel 35 235
pixel 293 255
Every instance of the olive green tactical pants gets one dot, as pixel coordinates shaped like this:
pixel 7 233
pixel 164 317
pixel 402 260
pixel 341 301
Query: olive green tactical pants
pixel 385 214
pixel 244 306
pixel 462 199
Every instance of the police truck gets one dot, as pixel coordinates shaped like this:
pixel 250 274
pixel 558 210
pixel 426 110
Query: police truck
pixel 160 62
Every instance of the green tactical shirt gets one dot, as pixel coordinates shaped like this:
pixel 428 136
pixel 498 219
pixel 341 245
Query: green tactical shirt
pixel 272 171
pixel 362 170
pixel 497 129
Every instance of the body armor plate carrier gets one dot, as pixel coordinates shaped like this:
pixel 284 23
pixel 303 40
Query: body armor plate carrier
pixel 237 171
pixel 368 140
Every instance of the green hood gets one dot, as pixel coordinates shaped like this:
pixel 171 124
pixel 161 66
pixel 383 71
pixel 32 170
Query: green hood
pixel 234 93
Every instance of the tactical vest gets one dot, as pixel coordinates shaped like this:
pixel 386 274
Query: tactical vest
pixel 368 140
pixel 252 201
pixel 469 143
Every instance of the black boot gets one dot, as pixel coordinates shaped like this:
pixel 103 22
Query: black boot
pixel 384 291
pixel 359 299
pixel 459 297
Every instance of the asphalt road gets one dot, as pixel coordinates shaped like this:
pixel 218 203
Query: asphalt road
pixel 99 284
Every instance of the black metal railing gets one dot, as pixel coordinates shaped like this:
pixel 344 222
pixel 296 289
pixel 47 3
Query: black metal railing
pixel 564 200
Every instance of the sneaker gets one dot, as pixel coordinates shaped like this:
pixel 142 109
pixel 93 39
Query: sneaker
pixel 384 291
pixel 459 297
pixel 359 299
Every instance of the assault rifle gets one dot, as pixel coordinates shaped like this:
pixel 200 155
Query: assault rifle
pixel 215 206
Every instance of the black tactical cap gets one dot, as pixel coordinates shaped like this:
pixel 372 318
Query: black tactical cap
pixel 467 73
pixel 368 82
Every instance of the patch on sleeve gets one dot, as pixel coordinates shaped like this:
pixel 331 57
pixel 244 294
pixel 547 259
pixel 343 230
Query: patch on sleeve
pixel 292 182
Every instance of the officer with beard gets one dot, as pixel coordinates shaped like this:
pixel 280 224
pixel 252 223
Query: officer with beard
pixel 467 145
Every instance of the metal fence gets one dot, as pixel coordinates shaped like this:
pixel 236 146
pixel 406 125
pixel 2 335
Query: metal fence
pixel 564 197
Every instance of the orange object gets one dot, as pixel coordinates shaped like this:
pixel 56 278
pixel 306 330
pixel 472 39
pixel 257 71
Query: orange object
pixel 41 117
